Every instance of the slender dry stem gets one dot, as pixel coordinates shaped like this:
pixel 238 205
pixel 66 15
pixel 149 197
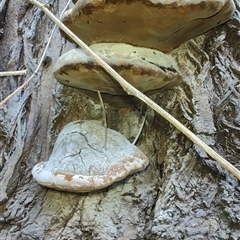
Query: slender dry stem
pixel 104 118
pixel 140 129
pixel 13 73
pixel 133 91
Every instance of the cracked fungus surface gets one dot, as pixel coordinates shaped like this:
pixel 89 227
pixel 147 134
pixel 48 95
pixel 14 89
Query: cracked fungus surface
pixel 80 161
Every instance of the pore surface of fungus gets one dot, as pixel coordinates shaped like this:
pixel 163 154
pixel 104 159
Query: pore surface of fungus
pixel 80 163
pixel 157 24
pixel 150 71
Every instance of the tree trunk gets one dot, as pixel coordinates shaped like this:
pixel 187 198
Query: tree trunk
pixel 183 194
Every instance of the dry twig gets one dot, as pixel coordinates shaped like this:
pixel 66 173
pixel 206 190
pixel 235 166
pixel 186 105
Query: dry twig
pixel 13 73
pixel 104 118
pixel 141 128
pixel 133 91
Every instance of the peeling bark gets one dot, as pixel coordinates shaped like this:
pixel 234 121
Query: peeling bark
pixel 183 194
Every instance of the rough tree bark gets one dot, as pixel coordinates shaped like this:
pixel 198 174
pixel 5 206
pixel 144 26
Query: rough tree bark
pixel 181 195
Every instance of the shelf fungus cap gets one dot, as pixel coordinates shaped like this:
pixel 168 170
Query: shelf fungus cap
pixel 150 71
pixel 157 24
pixel 80 163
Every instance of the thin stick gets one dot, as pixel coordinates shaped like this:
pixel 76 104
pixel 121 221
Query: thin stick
pixel 133 91
pixel 140 129
pixel 38 67
pixel 104 118
pixel 13 73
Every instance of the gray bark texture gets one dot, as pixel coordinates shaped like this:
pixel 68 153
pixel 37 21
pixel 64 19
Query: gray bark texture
pixel 183 194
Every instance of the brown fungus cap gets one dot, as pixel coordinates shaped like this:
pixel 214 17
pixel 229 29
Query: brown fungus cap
pixel 150 71
pixel 157 24
pixel 80 163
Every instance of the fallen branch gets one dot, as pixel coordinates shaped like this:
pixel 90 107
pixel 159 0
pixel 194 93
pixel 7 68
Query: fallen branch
pixel 13 73
pixel 133 91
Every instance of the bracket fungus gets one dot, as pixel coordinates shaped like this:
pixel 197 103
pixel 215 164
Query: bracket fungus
pixel 150 71
pixel 80 163
pixel 128 35
pixel 157 24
